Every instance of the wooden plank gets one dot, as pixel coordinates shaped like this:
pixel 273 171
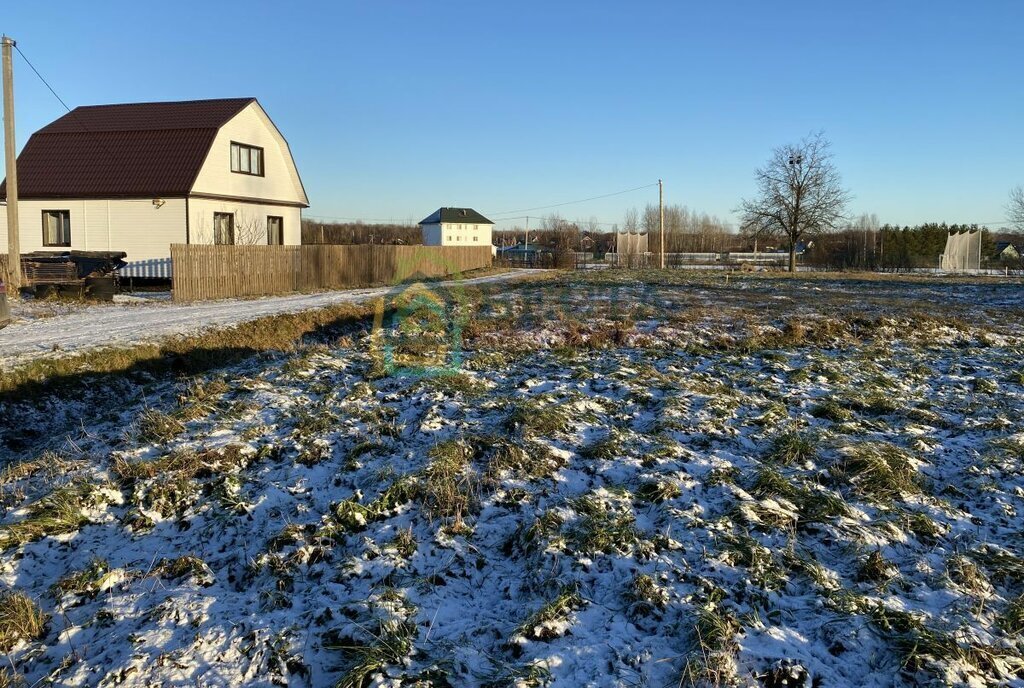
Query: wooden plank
pixel 216 272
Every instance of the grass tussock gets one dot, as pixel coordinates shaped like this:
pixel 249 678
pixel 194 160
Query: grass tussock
pixel 188 566
pixel 793 448
pixel 173 483
pixel 965 574
pixel 1001 565
pixel 833 410
pixel 90 581
pixel 1011 621
pixel 49 463
pixel 876 569
pixel 188 463
pixel 450 485
pixel 658 491
pixel 12 679
pixel 454 385
pixel 553 619
pixel 535 417
pixel 392 644
pixel 712 657
pixel 603 526
pixel 877 470
pixel 921 648
pixel 645 597
pixel 58 513
pixel 523 461
pixel 157 427
pixel 760 564
pixel 20 620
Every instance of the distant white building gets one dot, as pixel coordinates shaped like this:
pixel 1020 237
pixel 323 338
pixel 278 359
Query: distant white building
pixel 139 177
pixel 456 227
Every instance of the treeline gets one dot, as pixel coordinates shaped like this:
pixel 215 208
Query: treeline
pixel 317 232
pixel 867 246
pixel 686 231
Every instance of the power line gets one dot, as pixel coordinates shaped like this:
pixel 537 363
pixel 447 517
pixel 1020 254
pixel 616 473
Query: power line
pixel 74 116
pixel 45 82
pixel 582 200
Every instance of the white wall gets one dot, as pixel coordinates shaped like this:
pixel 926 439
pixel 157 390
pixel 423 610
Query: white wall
pixel 134 226
pixel 250 221
pixel 280 180
pixel 456 234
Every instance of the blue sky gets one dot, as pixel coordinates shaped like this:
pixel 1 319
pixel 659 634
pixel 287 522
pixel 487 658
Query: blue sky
pixel 395 108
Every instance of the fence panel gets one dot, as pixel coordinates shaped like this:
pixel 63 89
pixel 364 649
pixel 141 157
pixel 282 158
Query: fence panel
pixel 218 272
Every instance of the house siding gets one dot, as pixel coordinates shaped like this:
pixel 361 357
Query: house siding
pixel 280 180
pixel 135 226
pixel 250 221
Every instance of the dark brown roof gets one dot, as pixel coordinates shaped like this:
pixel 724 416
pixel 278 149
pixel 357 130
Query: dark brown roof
pixel 118 151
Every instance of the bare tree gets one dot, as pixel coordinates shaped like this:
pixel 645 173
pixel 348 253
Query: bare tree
pixel 1015 209
pixel 632 221
pixel 800 194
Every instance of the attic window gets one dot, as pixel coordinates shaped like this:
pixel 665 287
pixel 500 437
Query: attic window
pixel 246 159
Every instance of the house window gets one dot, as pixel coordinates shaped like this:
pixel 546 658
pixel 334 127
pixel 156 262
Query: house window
pixel 275 230
pixel 224 228
pixel 56 228
pixel 246 159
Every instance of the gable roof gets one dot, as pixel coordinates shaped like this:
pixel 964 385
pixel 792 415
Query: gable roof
pixel 123 151
pixel 464 215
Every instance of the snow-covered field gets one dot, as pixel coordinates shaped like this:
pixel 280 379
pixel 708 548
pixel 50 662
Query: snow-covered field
pixel 609 479
pixel 48 327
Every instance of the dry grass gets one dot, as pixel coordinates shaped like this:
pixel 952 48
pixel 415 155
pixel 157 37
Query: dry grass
pixel 194 353
pixel 58 513
pixel 878 470
pixel 450 483
pixel 391 645
pixel 157 427
pixel 792 448
pixel 711 661
pixel 20 620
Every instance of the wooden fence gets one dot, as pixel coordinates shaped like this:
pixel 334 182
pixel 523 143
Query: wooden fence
pixel 220 272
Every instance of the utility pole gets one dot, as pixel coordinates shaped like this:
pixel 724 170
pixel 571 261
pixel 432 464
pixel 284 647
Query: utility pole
pixel 661 213
pixel 13 248
pixel 526 243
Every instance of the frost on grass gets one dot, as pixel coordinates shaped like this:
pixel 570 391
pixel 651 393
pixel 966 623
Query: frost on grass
pixel 672 480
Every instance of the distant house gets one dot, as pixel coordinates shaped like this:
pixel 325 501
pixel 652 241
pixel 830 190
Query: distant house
pixel 139 177
pixel 456 227
pixel 1006 251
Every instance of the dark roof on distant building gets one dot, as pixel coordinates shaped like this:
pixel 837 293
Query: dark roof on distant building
pixel 464 215
pixel 133 150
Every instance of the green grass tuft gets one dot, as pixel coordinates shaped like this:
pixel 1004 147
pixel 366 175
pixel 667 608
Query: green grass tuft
pixel 551 620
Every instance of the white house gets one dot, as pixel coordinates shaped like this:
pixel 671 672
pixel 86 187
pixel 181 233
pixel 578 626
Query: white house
pixel 139 177
pixel 456 227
